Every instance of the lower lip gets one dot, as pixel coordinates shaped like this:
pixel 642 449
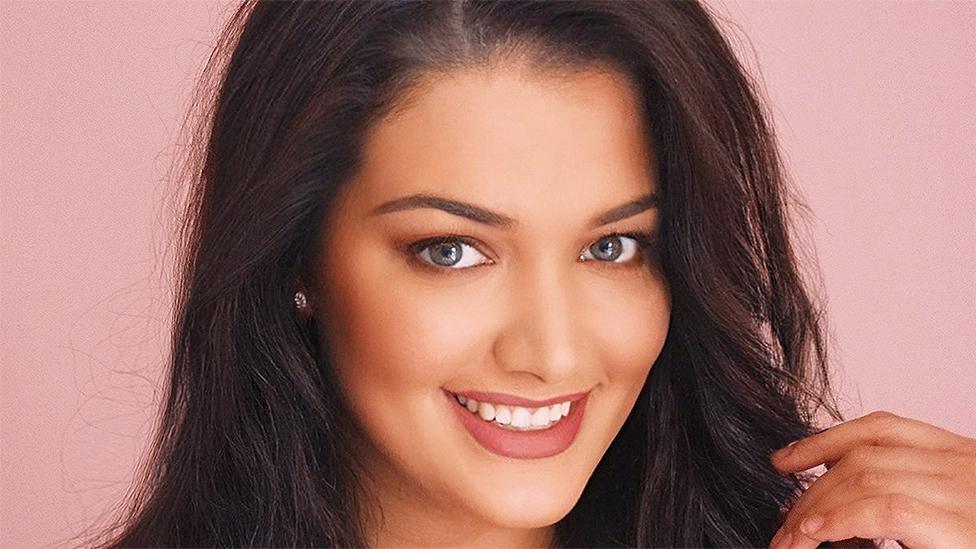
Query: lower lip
pixel 536 444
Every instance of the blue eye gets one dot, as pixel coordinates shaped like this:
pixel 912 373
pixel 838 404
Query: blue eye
pixel 615 248
pixel 455 252
pixel 450 252
pixel 611 248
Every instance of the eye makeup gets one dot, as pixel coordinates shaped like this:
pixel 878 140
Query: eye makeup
pixel 646 242
pixel 415 249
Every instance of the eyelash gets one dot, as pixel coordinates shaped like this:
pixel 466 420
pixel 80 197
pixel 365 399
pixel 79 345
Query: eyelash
pixel 645 246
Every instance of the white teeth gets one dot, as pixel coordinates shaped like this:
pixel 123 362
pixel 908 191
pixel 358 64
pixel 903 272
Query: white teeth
pixel 540 418
pixel 555 412
pixel 516 417
pixel 486 411
pixel 520 417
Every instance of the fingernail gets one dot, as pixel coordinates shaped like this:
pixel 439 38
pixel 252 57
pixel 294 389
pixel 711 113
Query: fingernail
pixel 810 525
pixel 785 451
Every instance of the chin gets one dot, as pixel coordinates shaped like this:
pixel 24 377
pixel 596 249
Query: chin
pixel 530 507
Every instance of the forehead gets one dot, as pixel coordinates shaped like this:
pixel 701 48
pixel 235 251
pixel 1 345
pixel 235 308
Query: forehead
pixel 515 141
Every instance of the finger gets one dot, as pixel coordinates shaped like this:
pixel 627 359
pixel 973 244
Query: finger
pixel 899 458
pixel 847 487
pixel 892 516
pixel 877 428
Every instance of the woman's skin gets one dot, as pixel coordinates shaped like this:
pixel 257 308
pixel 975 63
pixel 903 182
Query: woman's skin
pixel 887 477
pixel 521 313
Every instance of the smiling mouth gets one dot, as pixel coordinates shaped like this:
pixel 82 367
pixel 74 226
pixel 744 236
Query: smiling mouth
pixel 516 418
pixel 519 432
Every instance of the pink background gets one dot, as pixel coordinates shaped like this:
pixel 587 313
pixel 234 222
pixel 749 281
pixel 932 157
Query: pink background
pixel 874 104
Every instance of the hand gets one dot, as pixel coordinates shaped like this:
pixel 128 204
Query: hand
pixel 887 477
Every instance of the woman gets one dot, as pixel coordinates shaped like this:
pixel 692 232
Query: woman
pixel 513 275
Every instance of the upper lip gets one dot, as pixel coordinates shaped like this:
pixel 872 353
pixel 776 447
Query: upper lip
pixel 512 400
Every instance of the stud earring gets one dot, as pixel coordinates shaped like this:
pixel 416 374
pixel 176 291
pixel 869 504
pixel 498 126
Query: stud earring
pixel 301 302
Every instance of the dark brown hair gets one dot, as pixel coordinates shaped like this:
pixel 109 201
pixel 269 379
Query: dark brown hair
pixel 251 445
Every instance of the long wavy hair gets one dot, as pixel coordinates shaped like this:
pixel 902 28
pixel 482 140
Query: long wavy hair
pixel 252 443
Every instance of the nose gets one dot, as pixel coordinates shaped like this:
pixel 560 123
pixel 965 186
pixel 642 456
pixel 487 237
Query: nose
pixel 541 336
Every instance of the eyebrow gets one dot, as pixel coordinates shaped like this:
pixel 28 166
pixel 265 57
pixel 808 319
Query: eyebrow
pixel 495 219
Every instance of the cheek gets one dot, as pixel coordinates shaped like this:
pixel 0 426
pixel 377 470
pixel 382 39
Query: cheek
pixel 425 337
pixel 630 329
pixel 629 324
pixel 394 338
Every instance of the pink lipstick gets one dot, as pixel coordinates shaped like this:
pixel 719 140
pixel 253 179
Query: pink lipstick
pixel 520 444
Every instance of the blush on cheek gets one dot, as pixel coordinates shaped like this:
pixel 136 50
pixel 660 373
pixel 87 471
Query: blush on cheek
pixel 422 339
pixel 639 341
pixel 631 327
pixel 448 338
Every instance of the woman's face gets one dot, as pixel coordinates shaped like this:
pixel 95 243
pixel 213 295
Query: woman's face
pixel 522 176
